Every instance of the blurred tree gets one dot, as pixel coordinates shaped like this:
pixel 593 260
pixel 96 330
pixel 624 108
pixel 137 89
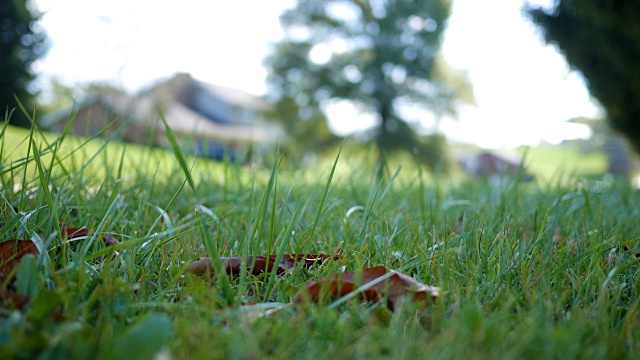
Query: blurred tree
pixel 376 54
pixel 306 136
pixel 21 43
pixel 601 39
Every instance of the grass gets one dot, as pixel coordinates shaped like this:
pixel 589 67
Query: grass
pixel 528 270
pixel 551 162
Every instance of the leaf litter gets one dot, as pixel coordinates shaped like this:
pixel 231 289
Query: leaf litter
pixel 12 252
pixel 372 284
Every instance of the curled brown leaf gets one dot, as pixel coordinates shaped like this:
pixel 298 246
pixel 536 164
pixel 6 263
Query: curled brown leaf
pixel 71 233
pixel 383 283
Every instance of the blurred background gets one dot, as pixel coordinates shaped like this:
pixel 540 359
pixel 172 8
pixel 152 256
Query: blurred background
pixel 451 84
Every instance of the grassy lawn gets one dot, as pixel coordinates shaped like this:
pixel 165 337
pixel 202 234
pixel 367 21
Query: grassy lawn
pixel 526 270
pixel 549 163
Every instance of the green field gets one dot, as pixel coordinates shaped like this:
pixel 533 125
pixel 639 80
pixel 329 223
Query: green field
pixel 551 162
pixel 547 269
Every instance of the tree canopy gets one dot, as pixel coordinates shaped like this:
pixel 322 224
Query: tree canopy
pixel 601 39
pixel 376 54
pixel 21 43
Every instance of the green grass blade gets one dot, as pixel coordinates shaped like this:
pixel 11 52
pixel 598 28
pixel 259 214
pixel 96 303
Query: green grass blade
pixel 210 243
pixel 182 160
pixel 258 224
pixel 15 220
pixel 214 253
pixel 44 183
pixel 323 199
pixel 283 246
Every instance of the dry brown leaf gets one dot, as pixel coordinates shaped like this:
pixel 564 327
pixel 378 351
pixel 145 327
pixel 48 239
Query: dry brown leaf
pixel 109 240
pixel 12 300
pixel 71 233
pixel 11 251
pixel 395 287
pixel 261 264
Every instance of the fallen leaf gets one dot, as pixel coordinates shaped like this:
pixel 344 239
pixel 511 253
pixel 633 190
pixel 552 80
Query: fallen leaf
pixel 383 283
pixel 72 233
pixel 233 265
pixel 12 300
pixel 11 251
pixel 109 240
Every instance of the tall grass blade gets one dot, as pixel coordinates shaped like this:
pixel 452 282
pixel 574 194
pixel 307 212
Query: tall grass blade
pixel 182 160
pixel 210 243
pixel 323 199
pixel 288 232
pixel 258 223
pixel 44 183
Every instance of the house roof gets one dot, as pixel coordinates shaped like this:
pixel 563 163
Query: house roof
pixel 117 104
pixel 236 97
pixel 179 85
pixel 183 120
pixel 173 97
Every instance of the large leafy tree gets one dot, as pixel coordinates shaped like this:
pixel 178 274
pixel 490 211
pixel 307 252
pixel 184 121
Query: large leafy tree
pixel 378 54
pixel 601 39
pixel 21 43
pixel 307 137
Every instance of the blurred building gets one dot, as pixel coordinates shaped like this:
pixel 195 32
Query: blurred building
pixel 91 117
pixel 489 164
pixel 209 119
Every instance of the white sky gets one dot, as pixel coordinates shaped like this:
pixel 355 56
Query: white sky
pixel 524 90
